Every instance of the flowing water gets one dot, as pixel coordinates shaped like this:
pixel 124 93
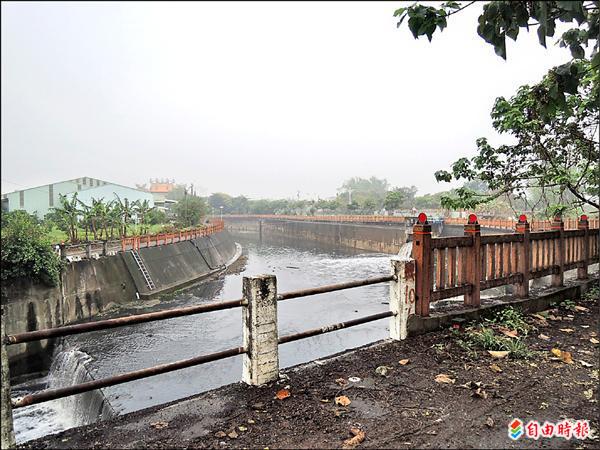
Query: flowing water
pixel 297 265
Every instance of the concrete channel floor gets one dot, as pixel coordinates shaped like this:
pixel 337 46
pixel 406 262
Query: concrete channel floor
pixel 406 408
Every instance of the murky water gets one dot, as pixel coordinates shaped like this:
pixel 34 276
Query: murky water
pixel 296 264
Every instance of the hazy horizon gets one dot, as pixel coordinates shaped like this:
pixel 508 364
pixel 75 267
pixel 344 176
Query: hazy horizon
pixel 260 99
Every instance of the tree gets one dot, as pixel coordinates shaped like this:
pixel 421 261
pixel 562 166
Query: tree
pixel 556 148
pixel 26 251
pixel 68 214
pixel 142 209
pixel 127 211
pixel 190 210
pixel 553 121
pixel 361 189
pixel 156 216
pixel 239 205
pixel 393 200
pixel 220 200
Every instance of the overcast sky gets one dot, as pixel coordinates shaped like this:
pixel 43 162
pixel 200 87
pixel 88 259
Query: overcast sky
pixel 262 99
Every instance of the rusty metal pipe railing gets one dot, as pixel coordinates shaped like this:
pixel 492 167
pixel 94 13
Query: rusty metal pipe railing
pixel 335 287
pixel 333 327
pixel 119 322
pixel 53 394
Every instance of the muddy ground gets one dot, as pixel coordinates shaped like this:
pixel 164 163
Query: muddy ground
pixel 405 409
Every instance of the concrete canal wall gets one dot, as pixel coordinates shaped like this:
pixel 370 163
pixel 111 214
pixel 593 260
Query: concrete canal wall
pixel 89 287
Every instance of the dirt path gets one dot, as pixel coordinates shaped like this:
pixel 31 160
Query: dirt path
pixel 405 409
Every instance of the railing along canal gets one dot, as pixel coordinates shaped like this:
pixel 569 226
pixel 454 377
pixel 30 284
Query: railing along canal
pixel 441 268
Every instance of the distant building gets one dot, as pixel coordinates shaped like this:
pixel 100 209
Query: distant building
pixel 160 189
pixel 41 199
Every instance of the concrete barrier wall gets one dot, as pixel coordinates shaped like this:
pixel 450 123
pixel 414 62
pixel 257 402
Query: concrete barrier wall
pixel 89 287
pixel 383 239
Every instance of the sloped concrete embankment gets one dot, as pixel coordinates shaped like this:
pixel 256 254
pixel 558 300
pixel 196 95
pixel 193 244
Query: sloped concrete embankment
pixel 174 266
pixel 90 287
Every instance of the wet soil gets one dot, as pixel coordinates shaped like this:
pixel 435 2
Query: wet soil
pixel 405 409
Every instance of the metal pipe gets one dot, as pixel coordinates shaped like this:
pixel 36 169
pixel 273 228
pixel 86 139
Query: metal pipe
pixel 52 394
pixel 334 327
pixel 119 322
pixel 335 287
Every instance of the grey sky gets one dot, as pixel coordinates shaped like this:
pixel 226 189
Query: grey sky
pixel 262 99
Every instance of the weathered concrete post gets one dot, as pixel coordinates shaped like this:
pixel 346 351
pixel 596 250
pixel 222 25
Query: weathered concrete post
pixel 104 247
pixel 260 225
pixel 582 270
pixel 402 297
pixel 259 316
pixel 559 252
pixel 421 253
pixel 473 269
pixel 7 435
pixel 523 262
pixel 88 250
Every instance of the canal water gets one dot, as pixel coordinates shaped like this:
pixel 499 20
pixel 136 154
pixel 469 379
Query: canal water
pixel 297 264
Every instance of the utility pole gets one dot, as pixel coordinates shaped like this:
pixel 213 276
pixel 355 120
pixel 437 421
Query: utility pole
pixel 349 196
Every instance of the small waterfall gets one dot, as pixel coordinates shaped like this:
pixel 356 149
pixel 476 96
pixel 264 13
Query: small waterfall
pixel 69 367
pixel 405 251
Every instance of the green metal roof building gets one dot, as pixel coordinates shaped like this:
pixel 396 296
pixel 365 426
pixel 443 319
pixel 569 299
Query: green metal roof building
pixel 41 199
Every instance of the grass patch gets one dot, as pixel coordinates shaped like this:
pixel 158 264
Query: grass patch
pixel 490 334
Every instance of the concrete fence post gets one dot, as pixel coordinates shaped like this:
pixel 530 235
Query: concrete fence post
pixel 88 250
pixel 524 258
pixel 104 248
pixel 7 434
pixel 422 254
pixel 559 252
pixel 402 297
pixel 582 269
pixel 259 323
pixel 473 269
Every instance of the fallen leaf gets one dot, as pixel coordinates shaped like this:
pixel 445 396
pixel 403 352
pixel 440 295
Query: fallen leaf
pixel 404 362
pixel 489 422
pixel 220 434
pixel 566 330
pixel 585 364
pixel 507 332
pixel 325 400
pixel 588 394
pixel 159 425
pixel 544 405
pixel 242 428
pixel 341 381
pixel 250 421
pixel 383 370
pixel 471 385
pixel 544 337
pixel 354 380
pixel 538 316
pixel 443 378
pixel 233 435
pixel 498 354
pixel 581 308
pixel 283 393
pixel 480 393
pixel 564 356
pixel 342 400
pixel 358 437
pixel 552 317
pixel 594 341
pixel 496 368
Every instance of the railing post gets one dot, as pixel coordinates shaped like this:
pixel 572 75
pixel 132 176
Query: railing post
pixel 7 434
pixel 259 317
pixel 402 297
pixel 104 247
pixel 88 250
pixel 123 244
pixel 523 262
pixel 559 252
pixel 421 253
pixel 473 269
pixel 582 269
